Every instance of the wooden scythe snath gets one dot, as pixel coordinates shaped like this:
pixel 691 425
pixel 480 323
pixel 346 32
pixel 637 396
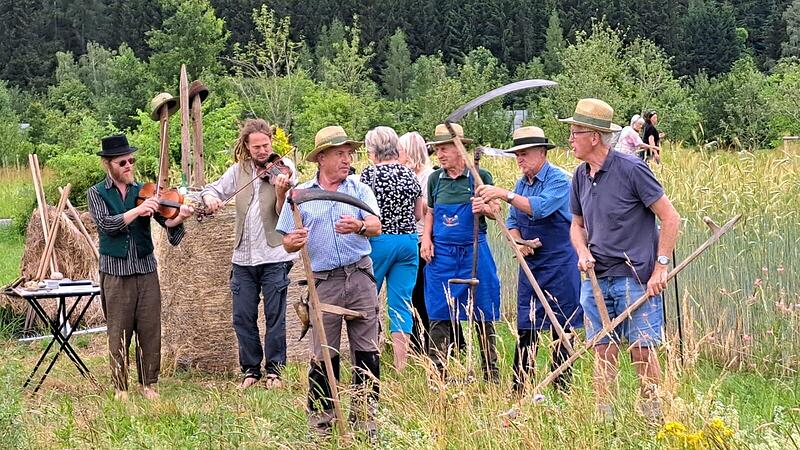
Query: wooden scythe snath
pixel 716 233
pixel 185 143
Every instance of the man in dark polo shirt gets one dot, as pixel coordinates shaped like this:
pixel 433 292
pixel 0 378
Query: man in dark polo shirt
pixel 131 296
pixel 446 245
pixel 615 200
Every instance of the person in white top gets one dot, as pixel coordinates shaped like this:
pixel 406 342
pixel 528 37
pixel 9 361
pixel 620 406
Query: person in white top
pixel 630 142
pixel 260 264
pixel 414 155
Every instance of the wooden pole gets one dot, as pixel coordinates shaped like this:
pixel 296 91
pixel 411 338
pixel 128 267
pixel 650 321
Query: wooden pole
pixel 184 98
pixel 319 328
pixel 718 232
pixel 565 341
pixel 163 158
pixel 598 297
pixel 53 233
pixel 33 164
pixel 81 227
pixel 198 159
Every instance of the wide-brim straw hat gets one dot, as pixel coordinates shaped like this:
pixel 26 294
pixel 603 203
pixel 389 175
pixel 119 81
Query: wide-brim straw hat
pixel 441 135
pixel 161 100
pixel 197 88
pixel 328 137
pixel 529 137
pixel 594 114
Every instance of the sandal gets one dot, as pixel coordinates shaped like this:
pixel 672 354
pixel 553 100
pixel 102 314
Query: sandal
pixel 247 382
pixel 273 381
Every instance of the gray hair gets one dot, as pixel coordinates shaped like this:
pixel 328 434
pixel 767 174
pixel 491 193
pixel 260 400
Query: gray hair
pixel 606 138
pixel 382 143
pixel 636 119
pixel 416 151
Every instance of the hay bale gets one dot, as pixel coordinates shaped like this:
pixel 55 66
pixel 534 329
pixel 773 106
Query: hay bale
pixel 196 318
pixel 73 254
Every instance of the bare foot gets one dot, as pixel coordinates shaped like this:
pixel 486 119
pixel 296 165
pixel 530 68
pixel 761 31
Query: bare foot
pixel 149 392
pixel 121 395
pixel 247 382
pixel 273 382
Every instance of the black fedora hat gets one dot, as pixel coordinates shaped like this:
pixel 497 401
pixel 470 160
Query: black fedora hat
pixel 116 145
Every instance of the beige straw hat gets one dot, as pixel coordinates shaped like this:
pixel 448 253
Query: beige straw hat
pixel 528 137
pixel 330 137
pixel 595 114
pixel 441 135
pixel 161 100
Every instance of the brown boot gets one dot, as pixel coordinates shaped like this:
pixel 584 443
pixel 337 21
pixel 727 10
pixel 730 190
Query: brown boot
pixel 400 343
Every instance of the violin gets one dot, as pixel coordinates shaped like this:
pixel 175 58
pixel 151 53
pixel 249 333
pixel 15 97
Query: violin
pixel 169 200
pixel 275 166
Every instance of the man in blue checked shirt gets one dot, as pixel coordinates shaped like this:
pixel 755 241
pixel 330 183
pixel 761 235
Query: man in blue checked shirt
pixel 540 210
pixel 337 238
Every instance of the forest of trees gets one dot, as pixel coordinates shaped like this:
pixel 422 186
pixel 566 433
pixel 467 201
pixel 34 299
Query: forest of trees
pixel 701 35
pixel 722 72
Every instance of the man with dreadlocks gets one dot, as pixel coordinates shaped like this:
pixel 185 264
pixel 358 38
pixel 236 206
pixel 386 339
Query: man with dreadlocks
pixel 260 263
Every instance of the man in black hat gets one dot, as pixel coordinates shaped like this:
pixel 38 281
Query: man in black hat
pixel 131 296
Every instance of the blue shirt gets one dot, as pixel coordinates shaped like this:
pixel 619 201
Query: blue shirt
pixel 615 206
pixel 327 248
pixel 547 193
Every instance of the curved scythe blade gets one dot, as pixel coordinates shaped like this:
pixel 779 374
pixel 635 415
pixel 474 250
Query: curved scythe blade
pixel 300 196
pixel 494 93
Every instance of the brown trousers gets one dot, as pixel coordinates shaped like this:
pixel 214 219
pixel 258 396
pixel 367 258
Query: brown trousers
pixel 132 304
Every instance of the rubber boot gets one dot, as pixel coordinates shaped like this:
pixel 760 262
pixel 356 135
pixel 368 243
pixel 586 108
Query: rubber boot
pixel 366 390
pixel 320 401
pixel 488 340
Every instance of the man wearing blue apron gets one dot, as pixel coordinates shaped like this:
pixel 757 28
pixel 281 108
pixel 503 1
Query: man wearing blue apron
pixel 447 248
pixel 540 210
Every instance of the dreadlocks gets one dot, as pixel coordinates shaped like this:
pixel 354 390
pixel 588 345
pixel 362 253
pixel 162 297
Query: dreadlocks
pixel 250 126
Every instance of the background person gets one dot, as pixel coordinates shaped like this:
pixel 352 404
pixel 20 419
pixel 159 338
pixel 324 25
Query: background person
pixel 630 142
pixel 414 154
pixel 394 252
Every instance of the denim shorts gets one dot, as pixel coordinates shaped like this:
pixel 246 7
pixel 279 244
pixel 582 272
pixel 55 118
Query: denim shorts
pixel 642 328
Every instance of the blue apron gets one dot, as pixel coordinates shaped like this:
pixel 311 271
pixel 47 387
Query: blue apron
pixel 452 258
pixel 555 266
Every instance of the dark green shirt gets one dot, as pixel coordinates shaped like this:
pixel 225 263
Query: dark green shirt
pixel 456 190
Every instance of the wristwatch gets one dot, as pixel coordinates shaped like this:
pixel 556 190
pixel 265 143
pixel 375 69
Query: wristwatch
pixel 363 228
pixel 510 196
pixel 663 260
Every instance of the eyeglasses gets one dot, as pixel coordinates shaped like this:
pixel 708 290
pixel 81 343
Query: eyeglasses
pixel 125 162
pixel 573 133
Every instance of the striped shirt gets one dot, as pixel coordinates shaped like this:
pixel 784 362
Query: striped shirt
pixel 253 250
pixel 113 224
pixel 326 248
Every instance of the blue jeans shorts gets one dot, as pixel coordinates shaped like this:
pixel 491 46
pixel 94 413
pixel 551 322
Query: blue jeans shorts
pixel 642 328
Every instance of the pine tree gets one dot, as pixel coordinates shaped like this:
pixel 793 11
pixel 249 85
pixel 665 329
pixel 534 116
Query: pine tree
pixel 554 45
pixel 792 17
pixel 397 73
pixel 709 39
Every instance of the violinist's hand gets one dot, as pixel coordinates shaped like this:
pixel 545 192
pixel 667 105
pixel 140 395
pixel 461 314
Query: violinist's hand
pixel 212 203
pixel 282 184
pixel 148 208
pixel 295 240
pixel 186 211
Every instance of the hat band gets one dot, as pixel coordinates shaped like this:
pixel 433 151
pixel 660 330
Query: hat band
pixel 335 141
pixel 444 137
pixel 530 140
pixel 593 121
